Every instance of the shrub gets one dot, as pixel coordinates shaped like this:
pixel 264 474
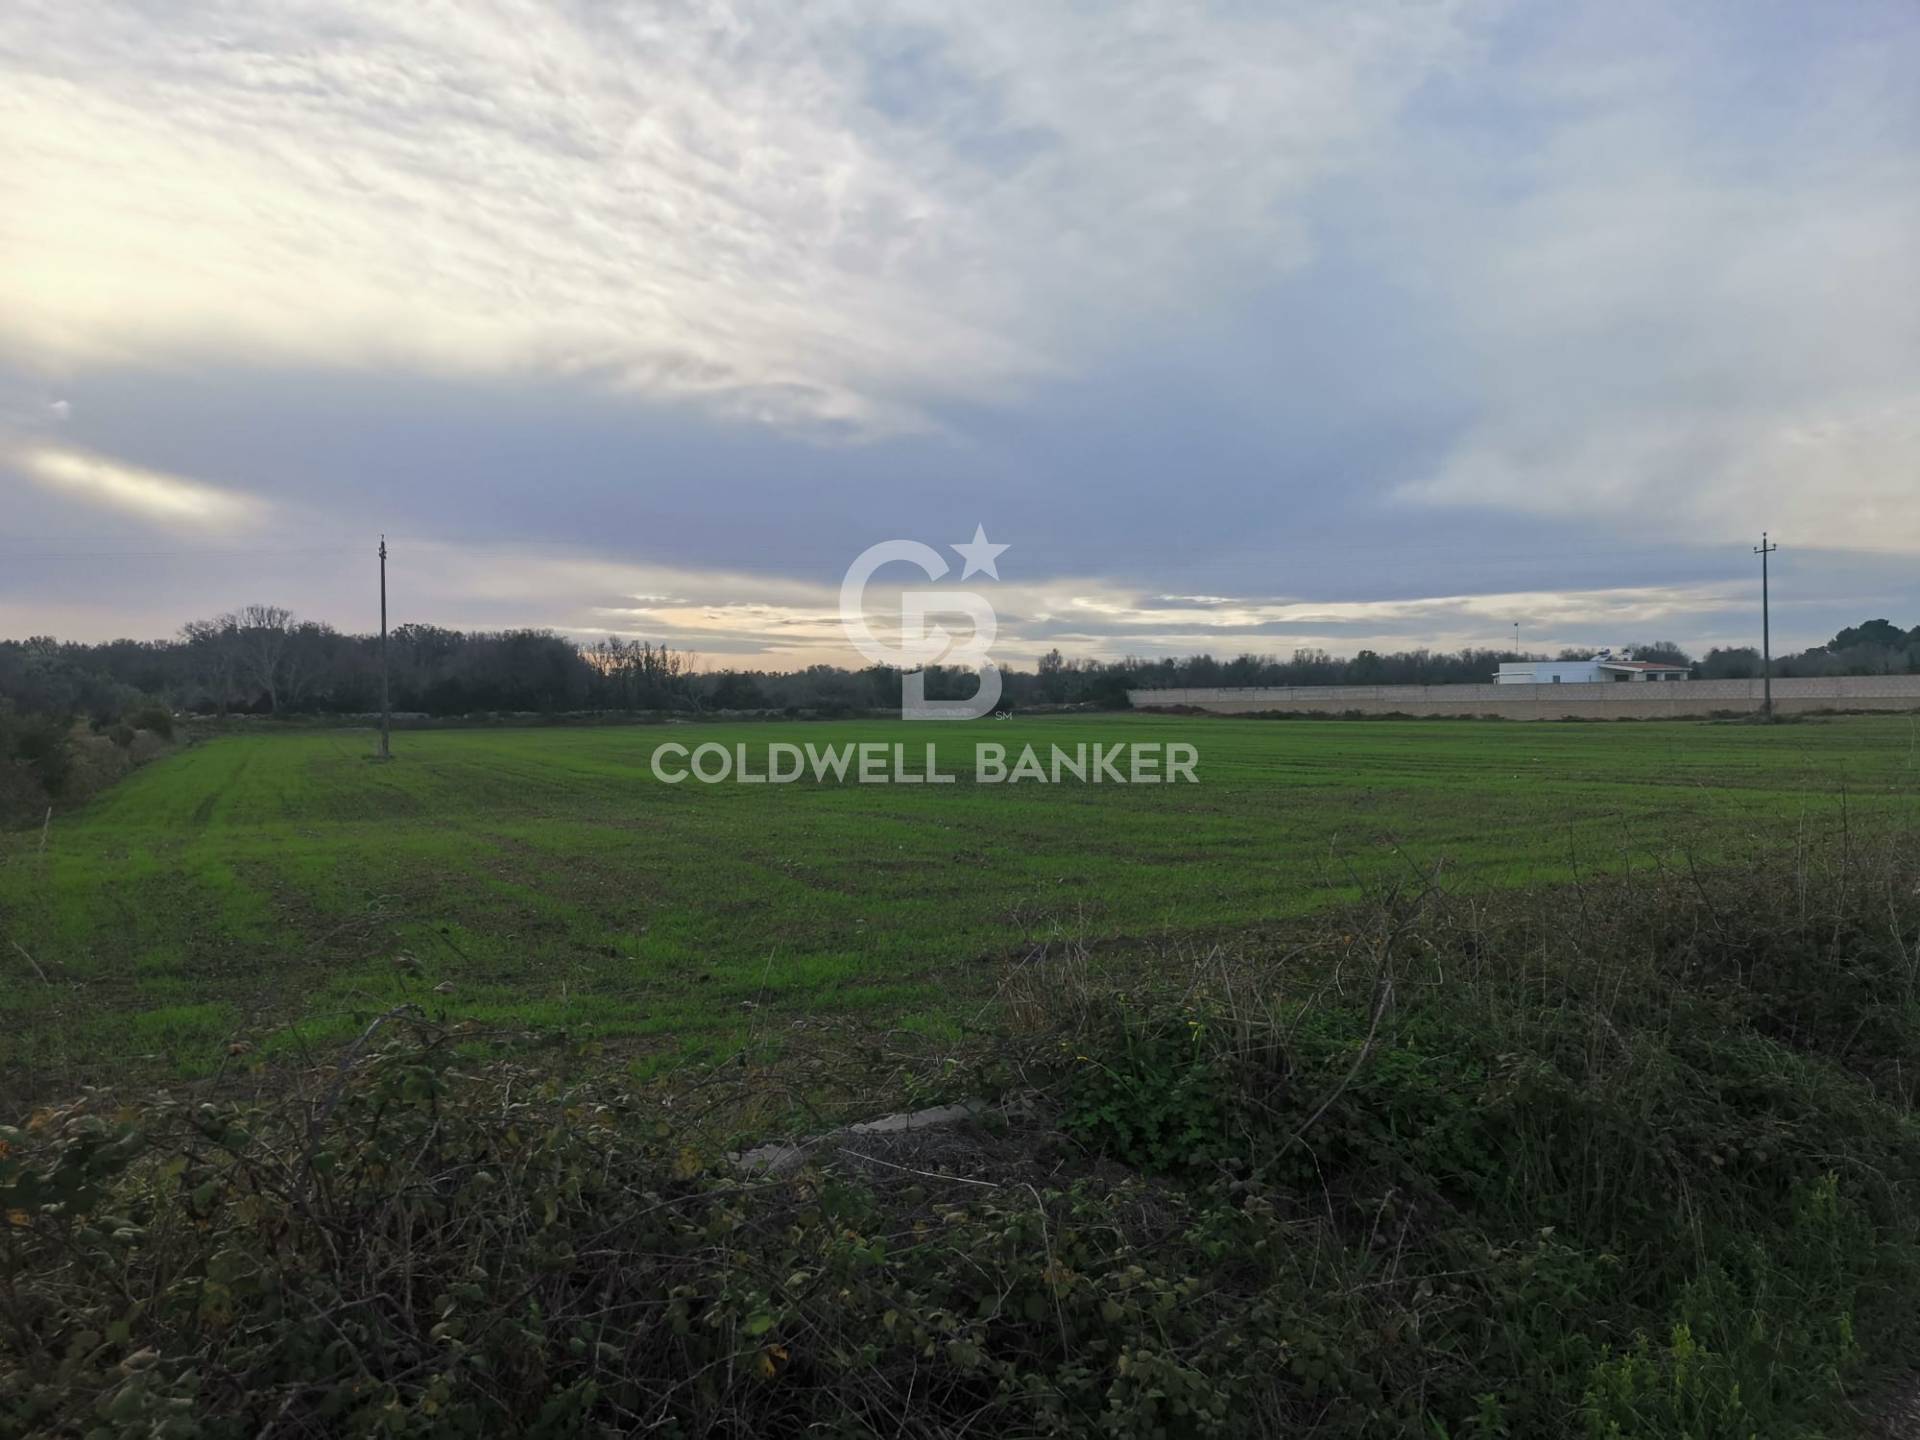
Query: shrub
pixel 421 1248
pixel 1658 1164
pixel 45 744
pixel 1149 1092
pixel 1448 1169
pixel 155 718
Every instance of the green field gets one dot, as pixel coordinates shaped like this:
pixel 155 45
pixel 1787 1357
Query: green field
pixel 544 875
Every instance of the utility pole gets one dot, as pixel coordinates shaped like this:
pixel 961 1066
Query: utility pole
pixel 1763 549
pixel 386 699
pixel 1516 641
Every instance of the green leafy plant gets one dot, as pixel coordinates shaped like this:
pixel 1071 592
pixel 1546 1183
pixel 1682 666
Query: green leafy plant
pixel 1151 1091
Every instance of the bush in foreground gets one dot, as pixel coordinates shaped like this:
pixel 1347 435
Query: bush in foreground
pixel 431 1251
pixel 1441 1172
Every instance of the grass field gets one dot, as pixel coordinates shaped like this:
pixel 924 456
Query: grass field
pixel 547 878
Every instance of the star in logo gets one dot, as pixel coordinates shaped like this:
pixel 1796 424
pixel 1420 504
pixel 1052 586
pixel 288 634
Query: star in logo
pixel 979 554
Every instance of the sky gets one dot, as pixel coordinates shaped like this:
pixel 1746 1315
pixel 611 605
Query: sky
pixel 1244 326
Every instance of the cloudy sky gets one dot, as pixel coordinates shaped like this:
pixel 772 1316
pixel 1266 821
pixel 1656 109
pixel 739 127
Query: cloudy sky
pixel 1246 326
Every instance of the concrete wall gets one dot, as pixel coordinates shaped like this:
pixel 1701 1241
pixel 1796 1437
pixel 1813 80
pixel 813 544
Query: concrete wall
pixel 1606 700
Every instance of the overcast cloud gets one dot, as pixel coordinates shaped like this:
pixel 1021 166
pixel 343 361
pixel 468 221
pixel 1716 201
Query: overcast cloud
pixel 1366 324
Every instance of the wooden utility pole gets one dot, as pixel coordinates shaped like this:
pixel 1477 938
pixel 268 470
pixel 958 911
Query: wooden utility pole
pixel 1763 549
pixel 386 697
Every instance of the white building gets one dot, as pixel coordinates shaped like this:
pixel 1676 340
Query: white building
pixel 1604 666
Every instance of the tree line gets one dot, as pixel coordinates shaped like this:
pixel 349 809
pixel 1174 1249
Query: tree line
pixel 70 708
pixel 263 660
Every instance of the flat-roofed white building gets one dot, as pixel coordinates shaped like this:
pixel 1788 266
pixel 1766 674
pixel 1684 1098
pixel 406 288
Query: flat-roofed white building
pixel 1604 666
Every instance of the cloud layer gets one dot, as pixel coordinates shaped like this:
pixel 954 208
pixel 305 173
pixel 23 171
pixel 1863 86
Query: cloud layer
pixel 831 215
pixel 1700 301
pixel 1376 323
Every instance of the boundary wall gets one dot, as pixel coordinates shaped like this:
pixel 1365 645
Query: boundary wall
pixel 1603 700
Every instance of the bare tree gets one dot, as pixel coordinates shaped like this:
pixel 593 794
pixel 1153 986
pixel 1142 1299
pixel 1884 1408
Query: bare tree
pixel 214 648
pixel 637 673
pixel 313 646
pixel 263 634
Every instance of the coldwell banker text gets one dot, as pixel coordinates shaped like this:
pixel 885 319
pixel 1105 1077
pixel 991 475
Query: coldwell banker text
pixel 878 762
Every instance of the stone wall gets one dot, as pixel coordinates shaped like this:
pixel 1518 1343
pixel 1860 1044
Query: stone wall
pixel 1605 700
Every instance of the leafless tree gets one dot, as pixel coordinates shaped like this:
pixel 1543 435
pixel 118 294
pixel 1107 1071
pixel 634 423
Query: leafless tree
pixel 214 648
pixel 263 634
pixel 637 674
